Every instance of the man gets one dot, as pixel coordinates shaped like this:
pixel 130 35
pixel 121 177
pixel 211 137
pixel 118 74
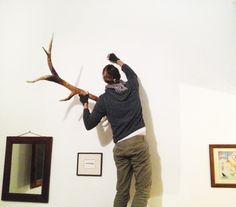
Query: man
pixel 121 105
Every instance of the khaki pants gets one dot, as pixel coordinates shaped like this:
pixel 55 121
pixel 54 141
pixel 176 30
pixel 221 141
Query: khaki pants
pixel 132 158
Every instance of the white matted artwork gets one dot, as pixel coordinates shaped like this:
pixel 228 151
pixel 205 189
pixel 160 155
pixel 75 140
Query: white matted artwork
pixel 89 164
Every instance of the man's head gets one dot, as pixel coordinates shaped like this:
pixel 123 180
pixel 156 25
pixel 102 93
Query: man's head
pixel 111 74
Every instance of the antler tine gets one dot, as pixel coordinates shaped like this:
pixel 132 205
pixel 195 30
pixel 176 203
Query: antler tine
pixel 82 92
pixel 49 58
pixel 69 97
pixel 50 44
pixel 46 77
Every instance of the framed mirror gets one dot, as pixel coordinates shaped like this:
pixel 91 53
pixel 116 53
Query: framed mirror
pixel 27 169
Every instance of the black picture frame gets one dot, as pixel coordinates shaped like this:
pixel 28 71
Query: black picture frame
pixel 7 195
pixel 89 164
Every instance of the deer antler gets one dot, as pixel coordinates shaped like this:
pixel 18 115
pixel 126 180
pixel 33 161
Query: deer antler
pixel 55 78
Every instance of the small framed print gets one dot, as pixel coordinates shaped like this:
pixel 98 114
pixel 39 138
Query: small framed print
pixel 89 164
pixel 223 165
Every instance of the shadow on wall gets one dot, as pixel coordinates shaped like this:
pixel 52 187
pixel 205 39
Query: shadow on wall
pixel 156 190
pixel 103 128
pixel 104 132
pixel 75 99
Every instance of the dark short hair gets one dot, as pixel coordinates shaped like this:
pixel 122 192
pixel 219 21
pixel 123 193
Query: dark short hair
pixel 113 73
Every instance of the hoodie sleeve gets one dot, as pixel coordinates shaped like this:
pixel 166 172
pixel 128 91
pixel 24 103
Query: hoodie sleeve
pixel 130 74
pixel 91 119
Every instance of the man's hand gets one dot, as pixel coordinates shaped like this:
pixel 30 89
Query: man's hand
pixel 113 58
pixel 84 99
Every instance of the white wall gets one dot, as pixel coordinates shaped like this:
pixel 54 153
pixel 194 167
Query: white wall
pixel 184 53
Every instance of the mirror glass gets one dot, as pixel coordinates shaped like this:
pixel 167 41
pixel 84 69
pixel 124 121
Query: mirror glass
pixel 27 169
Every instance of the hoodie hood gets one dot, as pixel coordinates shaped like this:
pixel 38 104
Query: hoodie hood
pixel 118 90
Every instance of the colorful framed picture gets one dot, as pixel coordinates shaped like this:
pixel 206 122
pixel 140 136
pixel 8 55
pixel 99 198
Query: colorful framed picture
pixel 223 165
pixel 89 164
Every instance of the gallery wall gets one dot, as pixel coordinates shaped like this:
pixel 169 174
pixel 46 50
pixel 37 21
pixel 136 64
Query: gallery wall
pixel 184 54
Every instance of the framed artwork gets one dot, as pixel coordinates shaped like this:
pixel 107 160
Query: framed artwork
pixel 223 165
pixel 89 164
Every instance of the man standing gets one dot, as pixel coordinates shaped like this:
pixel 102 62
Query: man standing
pixel 121 105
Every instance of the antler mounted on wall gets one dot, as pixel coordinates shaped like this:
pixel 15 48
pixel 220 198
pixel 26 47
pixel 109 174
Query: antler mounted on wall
pixel 55 78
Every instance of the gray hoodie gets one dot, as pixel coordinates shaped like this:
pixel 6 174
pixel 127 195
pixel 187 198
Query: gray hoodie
pixel 123 109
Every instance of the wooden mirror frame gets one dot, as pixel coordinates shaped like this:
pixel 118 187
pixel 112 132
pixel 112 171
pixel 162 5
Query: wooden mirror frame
pixel 44 196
